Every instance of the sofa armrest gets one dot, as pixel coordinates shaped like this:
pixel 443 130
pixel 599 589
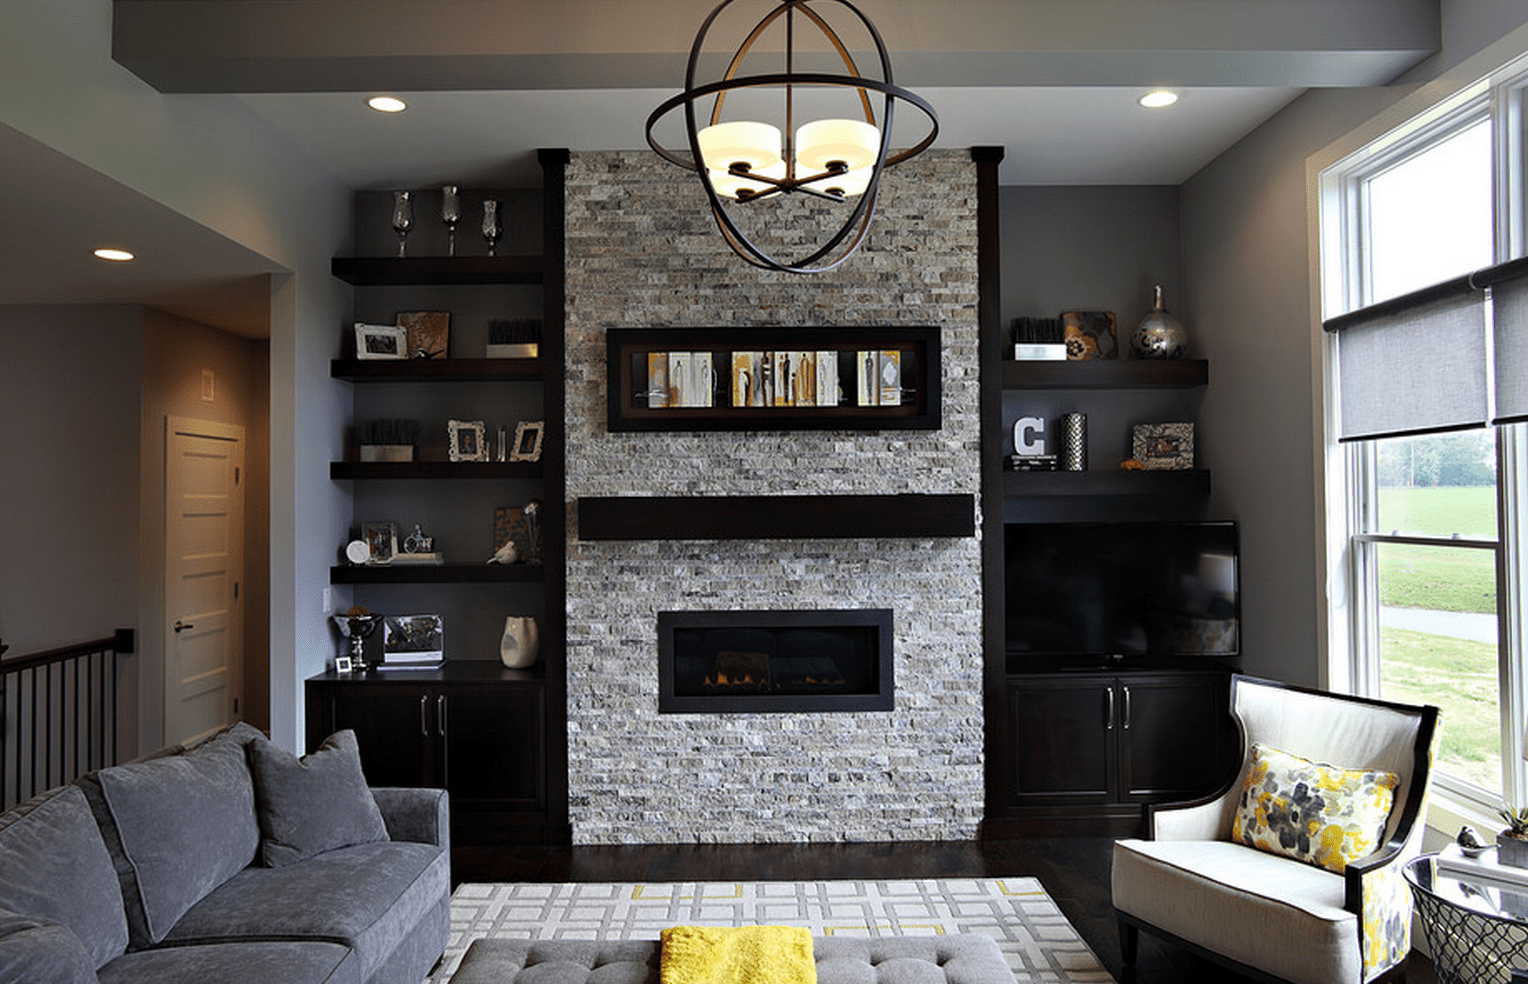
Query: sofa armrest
pixel 422 816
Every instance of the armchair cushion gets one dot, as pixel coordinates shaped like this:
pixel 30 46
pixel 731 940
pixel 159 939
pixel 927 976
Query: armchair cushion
pixel 1263 910
pixel 1310 811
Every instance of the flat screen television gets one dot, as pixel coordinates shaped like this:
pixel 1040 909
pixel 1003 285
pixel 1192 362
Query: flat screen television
pixel 1123 589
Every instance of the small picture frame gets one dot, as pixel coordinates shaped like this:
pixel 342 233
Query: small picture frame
pixel 528 435
pixel 467 441
pixel 382 538
pixel 380 342
pixel 413 638
pixel 342 664
pixel 1163 447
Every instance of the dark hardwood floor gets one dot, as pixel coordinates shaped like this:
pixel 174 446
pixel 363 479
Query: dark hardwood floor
pixel 1074 871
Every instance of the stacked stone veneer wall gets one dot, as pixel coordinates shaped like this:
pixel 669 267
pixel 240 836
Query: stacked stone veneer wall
pixel 643 251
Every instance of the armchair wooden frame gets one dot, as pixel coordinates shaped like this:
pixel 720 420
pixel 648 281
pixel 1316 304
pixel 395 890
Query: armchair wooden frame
pixel 1411 809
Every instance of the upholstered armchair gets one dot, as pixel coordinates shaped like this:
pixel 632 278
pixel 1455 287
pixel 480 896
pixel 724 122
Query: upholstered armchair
pixel 1355 810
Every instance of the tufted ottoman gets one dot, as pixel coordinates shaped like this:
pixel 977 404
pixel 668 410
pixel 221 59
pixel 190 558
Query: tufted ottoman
pixel 840 960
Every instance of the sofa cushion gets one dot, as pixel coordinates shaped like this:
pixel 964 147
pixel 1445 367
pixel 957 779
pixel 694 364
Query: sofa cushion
pixel 177 827
pixel 1321 814
pixel 368 897
pixel 314 805
pixel 254 962
pixel 39 951
pixel 1271 912
pixel 54 866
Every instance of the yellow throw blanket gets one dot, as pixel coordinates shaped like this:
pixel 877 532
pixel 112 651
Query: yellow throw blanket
pixel 738 955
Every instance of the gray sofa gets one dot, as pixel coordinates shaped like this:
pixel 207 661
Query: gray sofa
pixel 229 863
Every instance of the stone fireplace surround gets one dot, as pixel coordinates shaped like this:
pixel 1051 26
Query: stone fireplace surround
pixel 643 251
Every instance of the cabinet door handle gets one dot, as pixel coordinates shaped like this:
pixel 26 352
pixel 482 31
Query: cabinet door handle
pixel 424 728
pixel 1127 707
pixel 1109 709
pixel 440 715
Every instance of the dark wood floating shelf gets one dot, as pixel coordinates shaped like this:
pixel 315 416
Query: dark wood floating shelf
pixel 435 370
pixel 388 271
pixel 483 573
pixel 775 517
pixel 1107 374
pixel 1118 482
pixel 435 469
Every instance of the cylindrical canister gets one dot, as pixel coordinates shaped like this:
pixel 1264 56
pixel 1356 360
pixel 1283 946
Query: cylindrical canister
pixel 1074 442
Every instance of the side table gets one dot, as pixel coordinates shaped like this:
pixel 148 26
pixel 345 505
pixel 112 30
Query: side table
pixel 1476 926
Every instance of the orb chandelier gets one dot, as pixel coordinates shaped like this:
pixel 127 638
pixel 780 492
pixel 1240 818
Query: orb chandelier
pixel 840 160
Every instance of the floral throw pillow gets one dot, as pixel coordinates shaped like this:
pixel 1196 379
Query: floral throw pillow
pixel 1312 812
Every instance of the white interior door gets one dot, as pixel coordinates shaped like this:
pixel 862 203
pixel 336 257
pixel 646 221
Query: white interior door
pixel 204 565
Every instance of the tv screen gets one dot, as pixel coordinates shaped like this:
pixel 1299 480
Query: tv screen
pixel 1119 589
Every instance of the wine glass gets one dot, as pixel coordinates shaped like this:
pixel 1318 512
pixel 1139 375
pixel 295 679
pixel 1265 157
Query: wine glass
pixel 403 216
pixel 450 214
pixel 491 224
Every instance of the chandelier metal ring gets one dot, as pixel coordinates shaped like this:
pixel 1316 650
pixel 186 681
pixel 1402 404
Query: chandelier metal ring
pixel 757 185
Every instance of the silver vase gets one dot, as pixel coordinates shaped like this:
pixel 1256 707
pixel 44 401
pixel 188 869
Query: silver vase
pixel 1159 335
pixel 1074 442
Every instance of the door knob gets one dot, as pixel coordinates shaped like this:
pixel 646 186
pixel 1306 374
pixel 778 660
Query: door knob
pixel 183 625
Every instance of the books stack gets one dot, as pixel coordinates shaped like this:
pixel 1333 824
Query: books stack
pixel 1031 462
pixel 1485 869
pixel 410 661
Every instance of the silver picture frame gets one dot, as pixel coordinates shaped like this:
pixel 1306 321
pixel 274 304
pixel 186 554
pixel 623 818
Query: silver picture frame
pixel 528 437
pixel 381 342
pixel 467 440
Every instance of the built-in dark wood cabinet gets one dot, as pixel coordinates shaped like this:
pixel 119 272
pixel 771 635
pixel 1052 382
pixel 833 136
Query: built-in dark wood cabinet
pixel 1090 747
pixel 473 728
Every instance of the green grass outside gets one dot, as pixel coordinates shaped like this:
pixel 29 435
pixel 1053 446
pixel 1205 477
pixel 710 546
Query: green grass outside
pixel 1442 578
pixel 1459 677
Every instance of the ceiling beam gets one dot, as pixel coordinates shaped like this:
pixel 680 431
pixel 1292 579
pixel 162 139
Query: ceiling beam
pixel 442 45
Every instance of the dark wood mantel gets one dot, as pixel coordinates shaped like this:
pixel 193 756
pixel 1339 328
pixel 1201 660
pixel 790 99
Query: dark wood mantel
pixel 759 517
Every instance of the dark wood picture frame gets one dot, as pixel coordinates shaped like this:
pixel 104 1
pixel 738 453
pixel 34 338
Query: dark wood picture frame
pixel 919 365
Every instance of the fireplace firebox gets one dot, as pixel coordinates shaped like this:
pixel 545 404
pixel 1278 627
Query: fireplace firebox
pixel 775 661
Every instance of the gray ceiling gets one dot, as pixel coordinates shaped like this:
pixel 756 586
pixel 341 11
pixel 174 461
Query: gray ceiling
pixel 1054 81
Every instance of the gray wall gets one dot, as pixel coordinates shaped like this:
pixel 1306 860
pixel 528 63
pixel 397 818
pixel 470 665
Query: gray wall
pixel 1248 257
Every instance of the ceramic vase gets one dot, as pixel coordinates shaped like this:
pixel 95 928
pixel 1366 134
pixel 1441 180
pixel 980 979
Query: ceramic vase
pixel 519 647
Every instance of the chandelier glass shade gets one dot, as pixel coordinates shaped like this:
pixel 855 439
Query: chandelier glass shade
pixel 839 160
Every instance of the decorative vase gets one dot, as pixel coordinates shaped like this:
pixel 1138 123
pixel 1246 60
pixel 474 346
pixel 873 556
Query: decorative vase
pixel 522 637
pixel 1074 442
pixel 1159 335
pixel 1510 851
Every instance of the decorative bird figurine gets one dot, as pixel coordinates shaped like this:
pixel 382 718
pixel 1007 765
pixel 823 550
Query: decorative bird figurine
pixel 507 554
pixel 1469 841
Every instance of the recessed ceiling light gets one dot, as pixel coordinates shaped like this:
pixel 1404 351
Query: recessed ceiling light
pixel 115 255
pixel 1157 98
pixel 387 104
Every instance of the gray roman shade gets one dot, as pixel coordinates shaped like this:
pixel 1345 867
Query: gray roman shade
pixel 1413 365
pixel 1510 316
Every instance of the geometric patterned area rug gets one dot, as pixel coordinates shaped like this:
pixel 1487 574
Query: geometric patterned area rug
pixel 1037 941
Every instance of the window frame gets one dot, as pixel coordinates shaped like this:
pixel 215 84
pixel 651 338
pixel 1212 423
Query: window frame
pixel 1353 539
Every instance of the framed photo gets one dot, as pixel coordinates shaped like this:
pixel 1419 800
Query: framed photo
pixel 1163 447
pixel 342 664
pixel 382 539
pixel 413 639
pixel 380 342
pixel 527 441
pixel 467 440
pixel 429 333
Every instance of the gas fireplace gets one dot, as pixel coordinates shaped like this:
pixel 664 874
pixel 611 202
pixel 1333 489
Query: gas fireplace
pixel 775 661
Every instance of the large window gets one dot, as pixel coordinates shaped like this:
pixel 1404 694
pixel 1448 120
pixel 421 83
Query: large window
pixel 1432 481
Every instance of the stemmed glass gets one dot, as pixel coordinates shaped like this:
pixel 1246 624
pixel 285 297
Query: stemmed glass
pixel 403 216
pixel 450 214
pixel 491 224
